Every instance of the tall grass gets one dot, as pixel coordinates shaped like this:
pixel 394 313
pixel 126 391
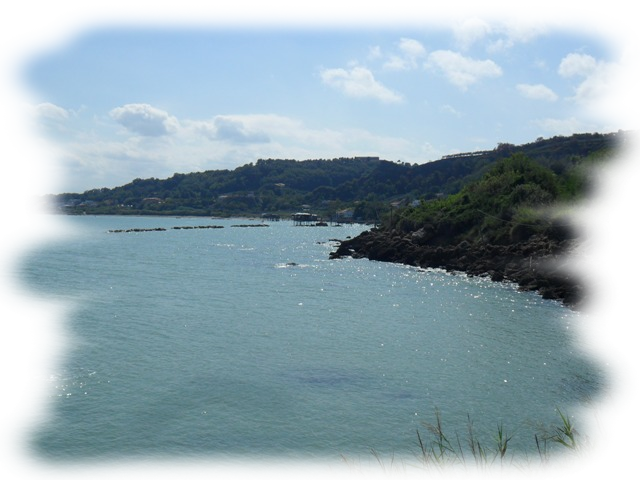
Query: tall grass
pixel 611 452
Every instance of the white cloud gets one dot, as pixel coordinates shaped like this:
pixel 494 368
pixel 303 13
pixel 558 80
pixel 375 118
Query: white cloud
pixel 497 36
pixel 359 82
pixel 610 19
pixel 537 92
pixel 235 131
pixel 238 129
pixel 232 129
pixel 145 120
pixel 411 47
pixel 577 64
pixel 290 136
pixel 599 84
pixel 410 52
pixel 374 52
pixel 470 31
pixel 597 77
pixel 528 21
pixel 50 111
pixel 460 70
pixel 450 110
pixel 92 161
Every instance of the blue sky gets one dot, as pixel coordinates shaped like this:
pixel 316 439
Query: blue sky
pixel 124 103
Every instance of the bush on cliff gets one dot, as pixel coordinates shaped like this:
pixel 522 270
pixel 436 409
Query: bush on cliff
pixel 568 222
pixel 510 203
pixel 599 197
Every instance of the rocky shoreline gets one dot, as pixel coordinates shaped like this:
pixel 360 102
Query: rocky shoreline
pixel 538 263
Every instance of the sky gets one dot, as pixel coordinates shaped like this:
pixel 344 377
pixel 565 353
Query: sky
pixel 126 102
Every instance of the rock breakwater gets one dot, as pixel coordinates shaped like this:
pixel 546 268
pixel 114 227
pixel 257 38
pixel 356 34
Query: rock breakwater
pixel 536 264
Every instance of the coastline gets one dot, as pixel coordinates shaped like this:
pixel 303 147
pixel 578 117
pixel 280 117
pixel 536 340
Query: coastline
pixel 538 264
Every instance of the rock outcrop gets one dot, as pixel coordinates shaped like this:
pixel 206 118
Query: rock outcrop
pixel 538 263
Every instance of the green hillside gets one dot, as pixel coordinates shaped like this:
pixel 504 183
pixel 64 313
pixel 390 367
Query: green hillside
pixel 595 196
pixel 366 185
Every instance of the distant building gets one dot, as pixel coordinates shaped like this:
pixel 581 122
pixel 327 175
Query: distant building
pixel 345 215
pixel 302 218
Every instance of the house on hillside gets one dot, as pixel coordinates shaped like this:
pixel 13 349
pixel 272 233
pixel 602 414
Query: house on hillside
pixel 345 216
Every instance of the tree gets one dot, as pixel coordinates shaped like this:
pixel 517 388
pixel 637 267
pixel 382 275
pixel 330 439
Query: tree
pixel 593 177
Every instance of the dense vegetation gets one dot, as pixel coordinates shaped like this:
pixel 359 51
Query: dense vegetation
pixel 366 185
pixel 511 202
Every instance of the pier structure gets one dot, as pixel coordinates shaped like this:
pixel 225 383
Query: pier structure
pixel 304 218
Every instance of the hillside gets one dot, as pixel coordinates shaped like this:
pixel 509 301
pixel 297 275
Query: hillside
pixel 510 224
pixel 366 185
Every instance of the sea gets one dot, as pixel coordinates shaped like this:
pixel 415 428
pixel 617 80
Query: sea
pixel 241 339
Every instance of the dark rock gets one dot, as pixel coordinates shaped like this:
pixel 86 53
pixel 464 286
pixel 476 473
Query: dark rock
pixel 584 305
pixel 574 295
pixel 551 292
pixel 547 262
pixel 496 275
pixel 582 269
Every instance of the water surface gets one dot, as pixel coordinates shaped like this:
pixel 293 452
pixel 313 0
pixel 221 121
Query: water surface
pixel 250 342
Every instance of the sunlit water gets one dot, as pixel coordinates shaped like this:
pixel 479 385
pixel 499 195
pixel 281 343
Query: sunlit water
pixel 250 342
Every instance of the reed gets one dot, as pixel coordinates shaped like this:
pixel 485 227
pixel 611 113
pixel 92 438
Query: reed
pixel 611 452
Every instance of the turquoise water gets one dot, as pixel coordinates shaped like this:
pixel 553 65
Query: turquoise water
pixel 250 342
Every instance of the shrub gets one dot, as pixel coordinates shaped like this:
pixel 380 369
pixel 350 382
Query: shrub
pixel 526 222
pixel 568 223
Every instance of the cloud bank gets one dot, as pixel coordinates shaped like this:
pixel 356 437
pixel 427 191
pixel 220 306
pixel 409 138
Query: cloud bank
pixel 411 51
pixel 471 31
pixel 462 71
pixel 359 82
pixel 597 77
pixel 537 92
pixel 50 111
pixel 145 120
pixel 528 21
